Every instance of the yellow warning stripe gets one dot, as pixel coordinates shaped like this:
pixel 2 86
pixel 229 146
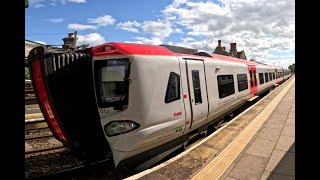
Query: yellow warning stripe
pixel 216 168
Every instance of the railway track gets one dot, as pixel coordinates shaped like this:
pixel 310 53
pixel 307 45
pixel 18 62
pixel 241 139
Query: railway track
pixel 44 143
pixel 37 133
pixel 39 139
pixel 30 97
pixel 35 124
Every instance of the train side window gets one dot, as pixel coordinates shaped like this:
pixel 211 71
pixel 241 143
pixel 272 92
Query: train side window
pixel 225 85
pixel 270 76
pixel 242 82
pixel 196 87
pixel 261 79
pixel 273 76
pixel 267 77
pixel 173 88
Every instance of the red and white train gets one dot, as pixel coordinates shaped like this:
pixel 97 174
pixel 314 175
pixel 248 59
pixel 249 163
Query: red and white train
pixel 141 102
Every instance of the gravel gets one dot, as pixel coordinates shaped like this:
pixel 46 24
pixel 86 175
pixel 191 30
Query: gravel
pixel 40 166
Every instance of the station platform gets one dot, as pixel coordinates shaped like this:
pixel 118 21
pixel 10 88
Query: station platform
pixel 258 144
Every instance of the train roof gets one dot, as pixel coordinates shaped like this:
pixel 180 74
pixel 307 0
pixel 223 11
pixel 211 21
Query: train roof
pixel 118 48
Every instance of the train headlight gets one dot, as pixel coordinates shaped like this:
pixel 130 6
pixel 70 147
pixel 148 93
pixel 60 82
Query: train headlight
pixel 120 127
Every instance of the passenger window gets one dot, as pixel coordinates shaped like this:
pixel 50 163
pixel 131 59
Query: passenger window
pixel 173 88
pixel 270 76
pixel 261 79
pixel 242 82
pixel 196 87
pixel 225 85
pixel 273 76
pixel 267 77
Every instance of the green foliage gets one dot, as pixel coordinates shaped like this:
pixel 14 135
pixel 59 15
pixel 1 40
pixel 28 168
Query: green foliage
pixel 292 67
pixel 27 73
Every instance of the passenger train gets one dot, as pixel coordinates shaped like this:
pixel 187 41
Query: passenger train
pixel 140 102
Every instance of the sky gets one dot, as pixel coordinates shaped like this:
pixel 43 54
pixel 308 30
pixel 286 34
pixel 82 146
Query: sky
pixel 264 29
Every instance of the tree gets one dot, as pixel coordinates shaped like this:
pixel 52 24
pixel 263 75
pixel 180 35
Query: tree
pixel 292 67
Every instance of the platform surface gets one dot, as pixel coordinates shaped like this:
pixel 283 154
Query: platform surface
pixel 257 144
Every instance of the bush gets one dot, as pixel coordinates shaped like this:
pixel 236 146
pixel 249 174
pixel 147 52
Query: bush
pixel 27 73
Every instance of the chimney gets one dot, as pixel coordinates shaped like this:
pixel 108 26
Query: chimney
pixel 68 42
pixel 219 43
pixel 233 49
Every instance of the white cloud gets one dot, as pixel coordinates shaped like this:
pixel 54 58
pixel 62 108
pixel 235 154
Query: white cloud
pixel 35 2
pixel 43 3
pixel 103 20
pixel 41 42
pixel 38 5
pixel 177 30
pixel 76 26
pixel 92 39
pixel 187 39
pixel 157 28
pixel 72 1
pixel 56 20
pixel 77 1
pixel 129 26
pixel 260 27
pixel 144 40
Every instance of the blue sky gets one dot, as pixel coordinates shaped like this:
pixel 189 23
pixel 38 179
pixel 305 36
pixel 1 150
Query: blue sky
pixel 263 28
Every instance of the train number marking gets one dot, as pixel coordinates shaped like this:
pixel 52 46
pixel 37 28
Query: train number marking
pixel 104 111
pixel 177 114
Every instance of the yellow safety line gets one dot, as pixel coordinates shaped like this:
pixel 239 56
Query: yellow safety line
pixel 216 168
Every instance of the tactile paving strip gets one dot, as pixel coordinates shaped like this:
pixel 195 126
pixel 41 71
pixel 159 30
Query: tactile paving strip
pixel 216 168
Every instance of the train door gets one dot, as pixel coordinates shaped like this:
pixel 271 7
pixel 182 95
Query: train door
pixel 197 91
pixel 253 80
pixel 276 75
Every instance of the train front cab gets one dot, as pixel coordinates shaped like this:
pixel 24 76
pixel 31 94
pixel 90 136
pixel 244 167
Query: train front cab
pixel 139 103
pixel 63 85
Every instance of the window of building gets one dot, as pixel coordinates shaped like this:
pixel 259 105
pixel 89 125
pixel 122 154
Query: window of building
pixel 196 87
pixel 261 79
pixel 242 82
pixel 173 88
pixel 225 85
pixel 266 77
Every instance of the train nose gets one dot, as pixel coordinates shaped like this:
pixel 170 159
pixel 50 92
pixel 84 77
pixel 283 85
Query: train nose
pixel 61 76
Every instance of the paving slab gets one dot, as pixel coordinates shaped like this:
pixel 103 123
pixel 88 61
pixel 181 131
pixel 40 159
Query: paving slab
pixel 249 167
pixel 269 133
pixel 261 147
pixel 289 129
pixel 267 175
pixel 282 162
pixel 285 142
